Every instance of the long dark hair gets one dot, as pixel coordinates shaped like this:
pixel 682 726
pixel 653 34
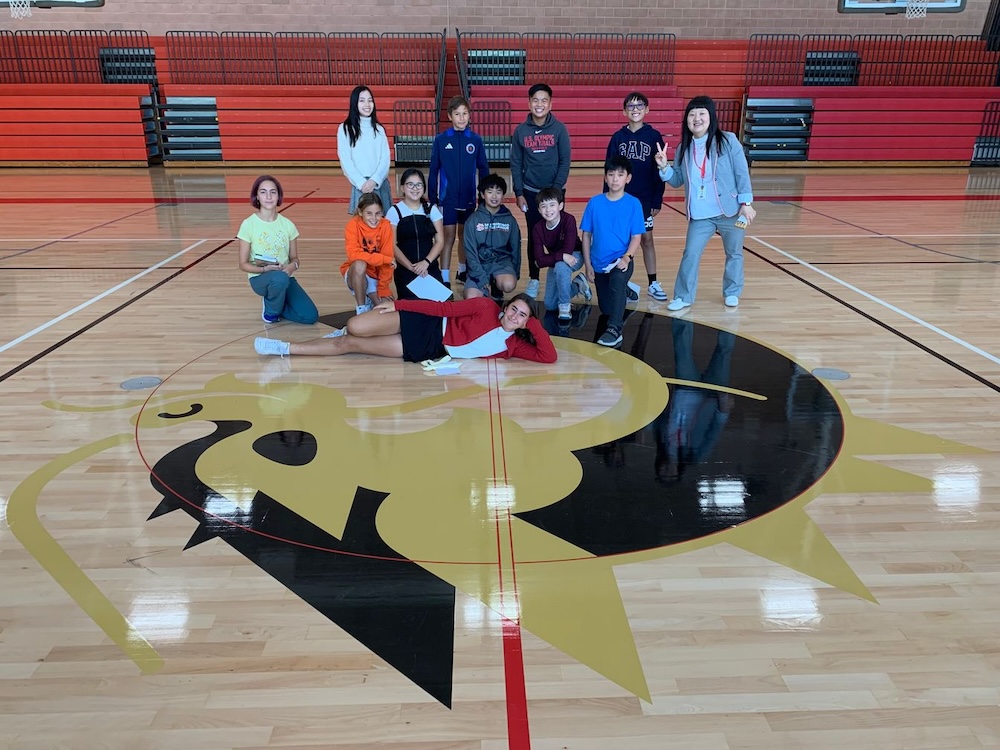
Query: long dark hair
pixel 411 172
pixel 353 122
pixel 714 131
pixel 523 333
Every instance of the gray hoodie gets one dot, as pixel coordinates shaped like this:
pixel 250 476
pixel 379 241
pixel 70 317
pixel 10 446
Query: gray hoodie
pixel 539 156
pixel 491 240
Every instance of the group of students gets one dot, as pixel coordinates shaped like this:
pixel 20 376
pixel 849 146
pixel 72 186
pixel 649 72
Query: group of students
pixel 463 196
pixel 413 329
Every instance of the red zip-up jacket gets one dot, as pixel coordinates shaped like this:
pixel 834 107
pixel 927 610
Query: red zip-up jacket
pixel 471 318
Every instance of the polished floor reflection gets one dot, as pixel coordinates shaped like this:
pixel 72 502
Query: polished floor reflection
pixel 691 541
pixel 708 460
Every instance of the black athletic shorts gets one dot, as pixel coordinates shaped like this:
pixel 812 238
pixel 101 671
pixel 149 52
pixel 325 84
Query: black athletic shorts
pixel 422 336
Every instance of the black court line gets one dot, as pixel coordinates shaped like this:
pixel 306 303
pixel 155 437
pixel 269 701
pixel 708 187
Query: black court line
pixel 889 236
pixel 880 323
pixel 85 268
pixel 881 263
pixel 77 234
pixel 80 331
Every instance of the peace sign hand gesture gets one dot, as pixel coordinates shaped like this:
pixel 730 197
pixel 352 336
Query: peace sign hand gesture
pixel 661 156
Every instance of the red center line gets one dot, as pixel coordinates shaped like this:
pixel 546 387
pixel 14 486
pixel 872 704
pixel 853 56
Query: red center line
pixel 518 733
pixel 518 736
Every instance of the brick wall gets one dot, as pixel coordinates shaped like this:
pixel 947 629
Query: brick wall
pixel 688 19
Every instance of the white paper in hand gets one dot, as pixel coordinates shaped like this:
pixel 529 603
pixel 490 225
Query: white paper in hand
pixel 427 287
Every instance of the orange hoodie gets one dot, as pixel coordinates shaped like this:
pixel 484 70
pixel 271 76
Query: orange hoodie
pixel 374 247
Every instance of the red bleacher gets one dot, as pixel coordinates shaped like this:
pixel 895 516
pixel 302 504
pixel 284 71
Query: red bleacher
pixel 890 123
pixel 59 122
pixel 289 123
pixel 269 113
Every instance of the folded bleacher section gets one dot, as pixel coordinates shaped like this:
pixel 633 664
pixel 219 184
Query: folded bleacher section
pixel 122 97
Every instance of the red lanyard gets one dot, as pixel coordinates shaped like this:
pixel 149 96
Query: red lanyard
pixel 704 161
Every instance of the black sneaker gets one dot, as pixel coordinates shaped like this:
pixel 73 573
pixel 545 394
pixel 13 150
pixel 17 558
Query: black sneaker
pixel 460 277
pixel 611 337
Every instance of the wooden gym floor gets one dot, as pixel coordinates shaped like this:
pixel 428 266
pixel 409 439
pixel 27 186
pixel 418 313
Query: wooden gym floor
pixel 693 542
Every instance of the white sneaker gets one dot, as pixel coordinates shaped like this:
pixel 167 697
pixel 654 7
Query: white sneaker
pixel 266 346
pixel 677 304
pixel 656 292
pixel 362 309
pixel 632 292
pixel 532 288
pixel 732 301
pixel 335 334
pixel 565 312
pixel 583 285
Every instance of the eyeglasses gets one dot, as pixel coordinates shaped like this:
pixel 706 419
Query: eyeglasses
pixel 635 106
pixel 413 185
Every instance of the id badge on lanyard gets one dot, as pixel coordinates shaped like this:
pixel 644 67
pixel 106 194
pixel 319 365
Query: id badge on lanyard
pixel 701 168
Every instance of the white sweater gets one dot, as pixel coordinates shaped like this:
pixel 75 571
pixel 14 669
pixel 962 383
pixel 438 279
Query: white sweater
pixel 368 159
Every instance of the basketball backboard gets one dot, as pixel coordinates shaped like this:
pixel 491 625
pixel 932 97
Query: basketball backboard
pixel 58 3
pixel 897 6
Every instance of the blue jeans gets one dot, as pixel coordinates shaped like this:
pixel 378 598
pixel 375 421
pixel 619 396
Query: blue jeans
pixel 699 232
pixel 284 297
pixel 559 282
pixel 611 297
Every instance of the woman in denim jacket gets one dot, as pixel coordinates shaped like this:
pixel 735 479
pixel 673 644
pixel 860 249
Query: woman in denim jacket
pixel 713 169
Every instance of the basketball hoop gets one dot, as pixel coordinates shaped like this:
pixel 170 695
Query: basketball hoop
pixel 20 8
pixel 916 8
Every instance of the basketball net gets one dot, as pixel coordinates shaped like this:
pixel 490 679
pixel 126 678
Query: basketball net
pixel 20 8
pixel 916 8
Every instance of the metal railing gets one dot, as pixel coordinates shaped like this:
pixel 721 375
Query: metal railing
pixel 877 60
pixel 442 62
pixel 461 68
pixel 78 56
pixel 231 57
pixel 986 152
pixel 306 58
pixel 556 58
pixel 390 58
pixel 415 125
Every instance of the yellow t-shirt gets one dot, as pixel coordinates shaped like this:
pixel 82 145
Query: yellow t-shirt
pixel 269 240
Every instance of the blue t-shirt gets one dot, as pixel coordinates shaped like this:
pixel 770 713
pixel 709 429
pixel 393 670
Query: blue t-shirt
pixel 612 225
